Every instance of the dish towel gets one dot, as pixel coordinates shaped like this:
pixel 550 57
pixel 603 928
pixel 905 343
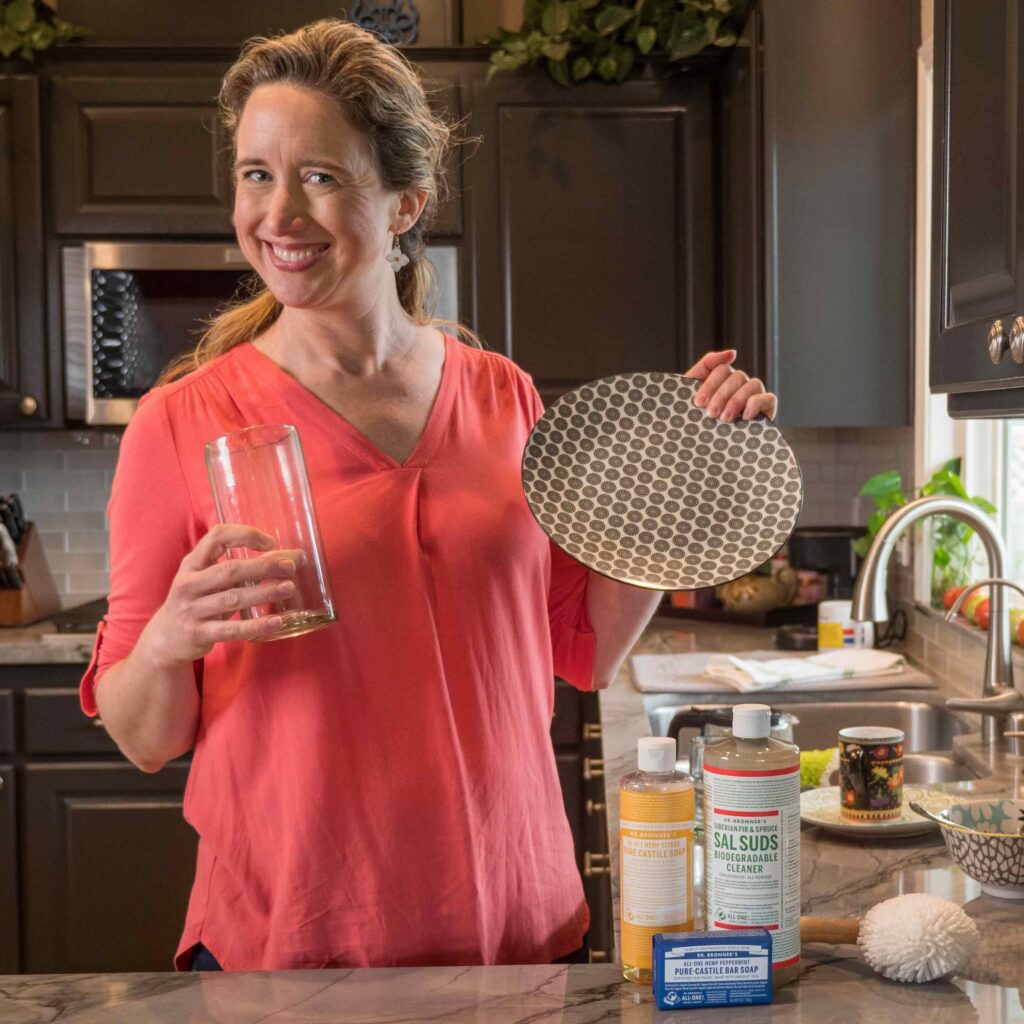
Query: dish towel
pixel 750 676
pixel 687 673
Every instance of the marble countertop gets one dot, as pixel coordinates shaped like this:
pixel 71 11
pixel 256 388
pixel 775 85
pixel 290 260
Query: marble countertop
pixel 841 878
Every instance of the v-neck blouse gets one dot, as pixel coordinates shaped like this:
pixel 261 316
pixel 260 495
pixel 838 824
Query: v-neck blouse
pixel 382 791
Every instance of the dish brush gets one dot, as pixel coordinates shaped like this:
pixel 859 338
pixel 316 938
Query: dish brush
pixel 915 937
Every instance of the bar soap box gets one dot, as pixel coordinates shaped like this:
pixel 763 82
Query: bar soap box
pixel 719 968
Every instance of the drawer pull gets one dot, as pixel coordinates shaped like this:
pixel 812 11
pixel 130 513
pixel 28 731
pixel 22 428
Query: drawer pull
pixel 593 807
pixel 97 723
pixel 596 864
pixel 598 956
pixel 593 768
pixel 591 731
pixel 998 343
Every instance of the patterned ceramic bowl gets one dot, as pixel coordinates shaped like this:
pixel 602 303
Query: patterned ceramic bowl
pixel 986 838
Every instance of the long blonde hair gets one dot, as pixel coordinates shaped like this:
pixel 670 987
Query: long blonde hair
pixel 378 89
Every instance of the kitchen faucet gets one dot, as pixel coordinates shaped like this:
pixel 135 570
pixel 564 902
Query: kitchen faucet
pixel 999 700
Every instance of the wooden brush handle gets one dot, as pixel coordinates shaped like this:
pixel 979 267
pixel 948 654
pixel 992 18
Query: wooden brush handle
pixel 834 931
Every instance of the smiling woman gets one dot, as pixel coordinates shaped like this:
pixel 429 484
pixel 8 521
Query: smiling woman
pixel 382 791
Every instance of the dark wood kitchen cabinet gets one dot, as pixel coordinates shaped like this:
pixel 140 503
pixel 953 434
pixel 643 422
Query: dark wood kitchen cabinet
pixel 593 230
pixel 576 737
pixel 96 860
pixel 977 330
pixel 838 129
pixel 25 369
pixel 10 938
pixel 138 151
pixel 107 866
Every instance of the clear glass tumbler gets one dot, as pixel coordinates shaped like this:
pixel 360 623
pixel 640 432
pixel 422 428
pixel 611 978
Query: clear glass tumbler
pixel 259 479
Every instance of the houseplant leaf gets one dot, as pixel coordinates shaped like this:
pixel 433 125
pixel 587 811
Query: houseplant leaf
pixel 886 483
pixel 555 18
pixel 611 18
pixel 19 15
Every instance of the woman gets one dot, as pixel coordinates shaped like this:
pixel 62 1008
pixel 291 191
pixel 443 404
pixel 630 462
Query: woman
pixel 382 791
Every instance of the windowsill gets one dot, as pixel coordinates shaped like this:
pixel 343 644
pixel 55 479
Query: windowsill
pixel 969 636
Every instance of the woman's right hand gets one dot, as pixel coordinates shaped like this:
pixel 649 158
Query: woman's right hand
pixel 206 592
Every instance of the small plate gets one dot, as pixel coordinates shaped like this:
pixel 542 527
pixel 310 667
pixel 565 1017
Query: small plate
pixel 821 807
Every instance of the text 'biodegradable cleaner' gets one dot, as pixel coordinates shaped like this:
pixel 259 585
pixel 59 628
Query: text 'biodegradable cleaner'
pixel 752 836
pixel 655 853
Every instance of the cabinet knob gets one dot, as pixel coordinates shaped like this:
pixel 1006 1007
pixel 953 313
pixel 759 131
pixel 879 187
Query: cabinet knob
pixel 1017 340
pixel 28 405
pixel 592 730
pixel 593 768
pixel 596 864
pixel 592 807
pixel 598 956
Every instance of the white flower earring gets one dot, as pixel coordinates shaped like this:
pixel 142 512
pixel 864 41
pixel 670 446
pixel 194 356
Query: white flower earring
pixel 396 258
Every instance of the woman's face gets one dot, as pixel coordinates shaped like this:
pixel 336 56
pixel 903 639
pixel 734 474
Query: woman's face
pixel 311 214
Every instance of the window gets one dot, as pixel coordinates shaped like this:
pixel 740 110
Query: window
pixel 992 450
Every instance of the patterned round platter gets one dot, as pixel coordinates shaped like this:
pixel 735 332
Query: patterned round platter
pixel 629 477
pixel 821 807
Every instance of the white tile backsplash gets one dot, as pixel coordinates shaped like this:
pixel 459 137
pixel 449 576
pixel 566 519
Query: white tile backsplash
pixel 64 478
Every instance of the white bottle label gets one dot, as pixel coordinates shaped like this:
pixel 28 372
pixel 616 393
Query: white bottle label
pixel 752 838
pixel 655 872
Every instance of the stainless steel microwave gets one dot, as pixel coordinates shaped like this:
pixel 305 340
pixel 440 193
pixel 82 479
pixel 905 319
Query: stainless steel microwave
pixel 129 309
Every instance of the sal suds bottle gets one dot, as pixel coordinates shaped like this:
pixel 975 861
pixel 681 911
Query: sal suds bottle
pixel 752 836
pixel 655 853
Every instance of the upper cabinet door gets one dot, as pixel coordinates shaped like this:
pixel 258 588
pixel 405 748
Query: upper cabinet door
pixel 139 154
pixel 592 226
pixel 839 124
pixel 977 227
pixel 24 386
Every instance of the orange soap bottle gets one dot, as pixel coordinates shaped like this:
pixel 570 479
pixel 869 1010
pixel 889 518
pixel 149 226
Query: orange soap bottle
pixel 655 853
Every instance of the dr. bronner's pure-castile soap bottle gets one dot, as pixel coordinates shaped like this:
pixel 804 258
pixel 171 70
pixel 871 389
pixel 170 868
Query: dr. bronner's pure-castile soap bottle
pixel 655 853
pixel 752 836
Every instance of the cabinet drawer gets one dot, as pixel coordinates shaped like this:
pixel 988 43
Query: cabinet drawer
pixel 55 724
pixel 6 722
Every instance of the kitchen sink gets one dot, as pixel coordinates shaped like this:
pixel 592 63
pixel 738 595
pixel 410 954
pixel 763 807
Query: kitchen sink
pixel 924 770
pixel 927 725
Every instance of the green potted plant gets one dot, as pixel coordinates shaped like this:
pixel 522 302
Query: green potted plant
pixel 27 26
pixel 581 39
pixel 953 553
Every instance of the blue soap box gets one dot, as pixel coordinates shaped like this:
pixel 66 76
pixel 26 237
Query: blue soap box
pixel 719 968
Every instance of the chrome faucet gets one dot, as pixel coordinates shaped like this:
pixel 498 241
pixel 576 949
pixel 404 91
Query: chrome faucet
pixel 999 699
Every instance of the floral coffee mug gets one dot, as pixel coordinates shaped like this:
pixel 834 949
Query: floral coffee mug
pixel 870 773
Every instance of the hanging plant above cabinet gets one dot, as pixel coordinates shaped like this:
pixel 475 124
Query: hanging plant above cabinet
pixel 27 26
pixel 582 39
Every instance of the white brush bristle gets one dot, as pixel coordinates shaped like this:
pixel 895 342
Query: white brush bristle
pixel 917 937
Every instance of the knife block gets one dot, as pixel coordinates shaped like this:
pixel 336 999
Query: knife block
pixel 38 598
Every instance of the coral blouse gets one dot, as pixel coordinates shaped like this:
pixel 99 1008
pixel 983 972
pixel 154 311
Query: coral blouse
pixel 381 791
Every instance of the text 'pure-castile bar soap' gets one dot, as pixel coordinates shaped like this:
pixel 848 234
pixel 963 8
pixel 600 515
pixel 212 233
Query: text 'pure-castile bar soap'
pixel 752 836
pixel 656 853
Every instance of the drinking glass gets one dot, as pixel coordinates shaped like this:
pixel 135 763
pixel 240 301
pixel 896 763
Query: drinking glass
pixel 259 479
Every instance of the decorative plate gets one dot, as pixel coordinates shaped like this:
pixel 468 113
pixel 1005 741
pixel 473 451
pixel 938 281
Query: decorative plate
pixel 821 807
pixel 630 478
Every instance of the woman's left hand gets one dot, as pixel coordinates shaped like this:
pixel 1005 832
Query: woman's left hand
pixel 727 393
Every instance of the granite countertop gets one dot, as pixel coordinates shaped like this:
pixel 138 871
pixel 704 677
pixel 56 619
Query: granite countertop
pixel 41 644
pixel 841 878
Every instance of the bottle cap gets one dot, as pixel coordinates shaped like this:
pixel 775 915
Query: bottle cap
pixel 751 721
pixel 656 754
